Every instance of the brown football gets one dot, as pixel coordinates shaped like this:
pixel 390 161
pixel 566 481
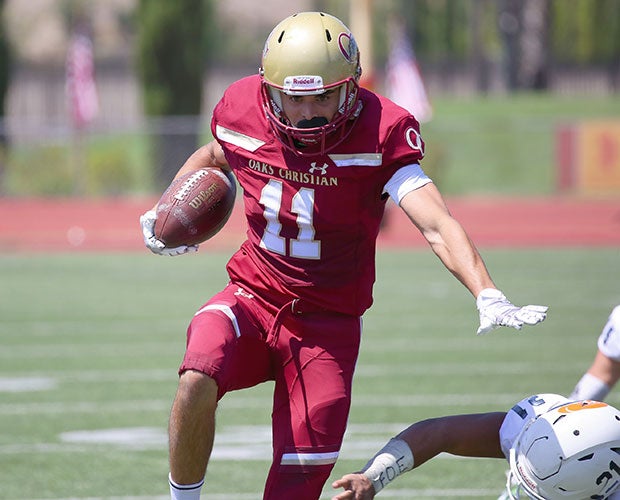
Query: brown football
pixel 194 207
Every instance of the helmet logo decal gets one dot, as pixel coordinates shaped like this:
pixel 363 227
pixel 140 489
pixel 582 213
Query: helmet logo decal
pixel 581 405
pixel 414 139
pixel 348 47
pixel 266 46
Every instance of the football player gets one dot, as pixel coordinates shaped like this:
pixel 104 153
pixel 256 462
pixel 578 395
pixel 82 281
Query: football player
pixel 604 372
pixel 557 450
pixel 317 158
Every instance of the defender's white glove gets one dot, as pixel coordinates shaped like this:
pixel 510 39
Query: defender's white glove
pixel 147 221
pixel 496 310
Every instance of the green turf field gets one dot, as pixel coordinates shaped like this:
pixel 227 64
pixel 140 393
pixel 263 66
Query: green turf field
pixel 90 345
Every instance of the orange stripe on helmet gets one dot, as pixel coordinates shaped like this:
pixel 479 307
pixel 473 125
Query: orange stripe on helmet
pixel 581 405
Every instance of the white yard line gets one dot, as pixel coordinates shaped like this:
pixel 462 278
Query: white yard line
pixel 366 370
pixel 241 402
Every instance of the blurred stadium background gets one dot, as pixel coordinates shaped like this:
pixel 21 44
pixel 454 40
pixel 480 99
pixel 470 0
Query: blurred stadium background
pixel 501 76
pixel 523 138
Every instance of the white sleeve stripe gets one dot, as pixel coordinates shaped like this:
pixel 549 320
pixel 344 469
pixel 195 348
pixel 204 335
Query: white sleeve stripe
pixel 406 179
pixel 227 311
pixel 238 139
pixel 309 458
pixel 357 159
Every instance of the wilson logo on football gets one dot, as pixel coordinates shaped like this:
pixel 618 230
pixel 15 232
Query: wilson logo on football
pixel 203 196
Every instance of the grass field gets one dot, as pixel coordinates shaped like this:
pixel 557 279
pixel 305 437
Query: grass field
pixel 90 344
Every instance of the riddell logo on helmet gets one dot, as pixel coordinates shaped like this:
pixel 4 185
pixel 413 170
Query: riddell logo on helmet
pixel 309 83
pixel 304 80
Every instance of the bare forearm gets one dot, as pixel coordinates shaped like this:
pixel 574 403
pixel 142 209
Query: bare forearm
pixel 474 435
pixel 459 255
pixel 428 211
pixel 209 155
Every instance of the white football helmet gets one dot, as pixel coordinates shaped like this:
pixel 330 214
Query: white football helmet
pixel 310 53
pixel 571 452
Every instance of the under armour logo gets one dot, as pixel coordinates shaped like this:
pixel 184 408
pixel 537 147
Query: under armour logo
pixel 314 167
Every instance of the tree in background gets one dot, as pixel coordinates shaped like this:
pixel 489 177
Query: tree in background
pixel 172 58
pixel 531 37
pixel 587 33
pixel 5 77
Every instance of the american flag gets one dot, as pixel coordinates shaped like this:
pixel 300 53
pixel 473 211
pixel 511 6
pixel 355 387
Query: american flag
pixel 80 73
pixel 403 78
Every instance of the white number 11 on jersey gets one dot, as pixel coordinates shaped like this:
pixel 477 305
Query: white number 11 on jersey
pixel 302 204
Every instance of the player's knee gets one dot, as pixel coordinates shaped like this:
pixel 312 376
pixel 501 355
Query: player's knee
pixel 328 419
pixel 197 388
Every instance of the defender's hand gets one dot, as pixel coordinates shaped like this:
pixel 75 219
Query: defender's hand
pixel 496 310
pixel 356 487
pixel 147 222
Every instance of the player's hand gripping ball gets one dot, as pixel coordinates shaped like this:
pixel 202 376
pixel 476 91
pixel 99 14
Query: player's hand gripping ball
pixel 194 207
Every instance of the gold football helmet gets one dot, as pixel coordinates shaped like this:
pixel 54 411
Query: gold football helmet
pixel 310 53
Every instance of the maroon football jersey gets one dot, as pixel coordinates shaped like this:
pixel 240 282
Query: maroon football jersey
pixel 312 221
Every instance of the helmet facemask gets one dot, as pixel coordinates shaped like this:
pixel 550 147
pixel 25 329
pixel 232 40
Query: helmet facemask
pixel 317 135
pixel 309 54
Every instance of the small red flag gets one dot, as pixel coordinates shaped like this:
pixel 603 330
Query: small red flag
pixel 403 78
pixel 80 74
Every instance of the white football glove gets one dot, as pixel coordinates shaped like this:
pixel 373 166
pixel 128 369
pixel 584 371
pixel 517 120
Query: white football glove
pixel 496 310
pixel 147 222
